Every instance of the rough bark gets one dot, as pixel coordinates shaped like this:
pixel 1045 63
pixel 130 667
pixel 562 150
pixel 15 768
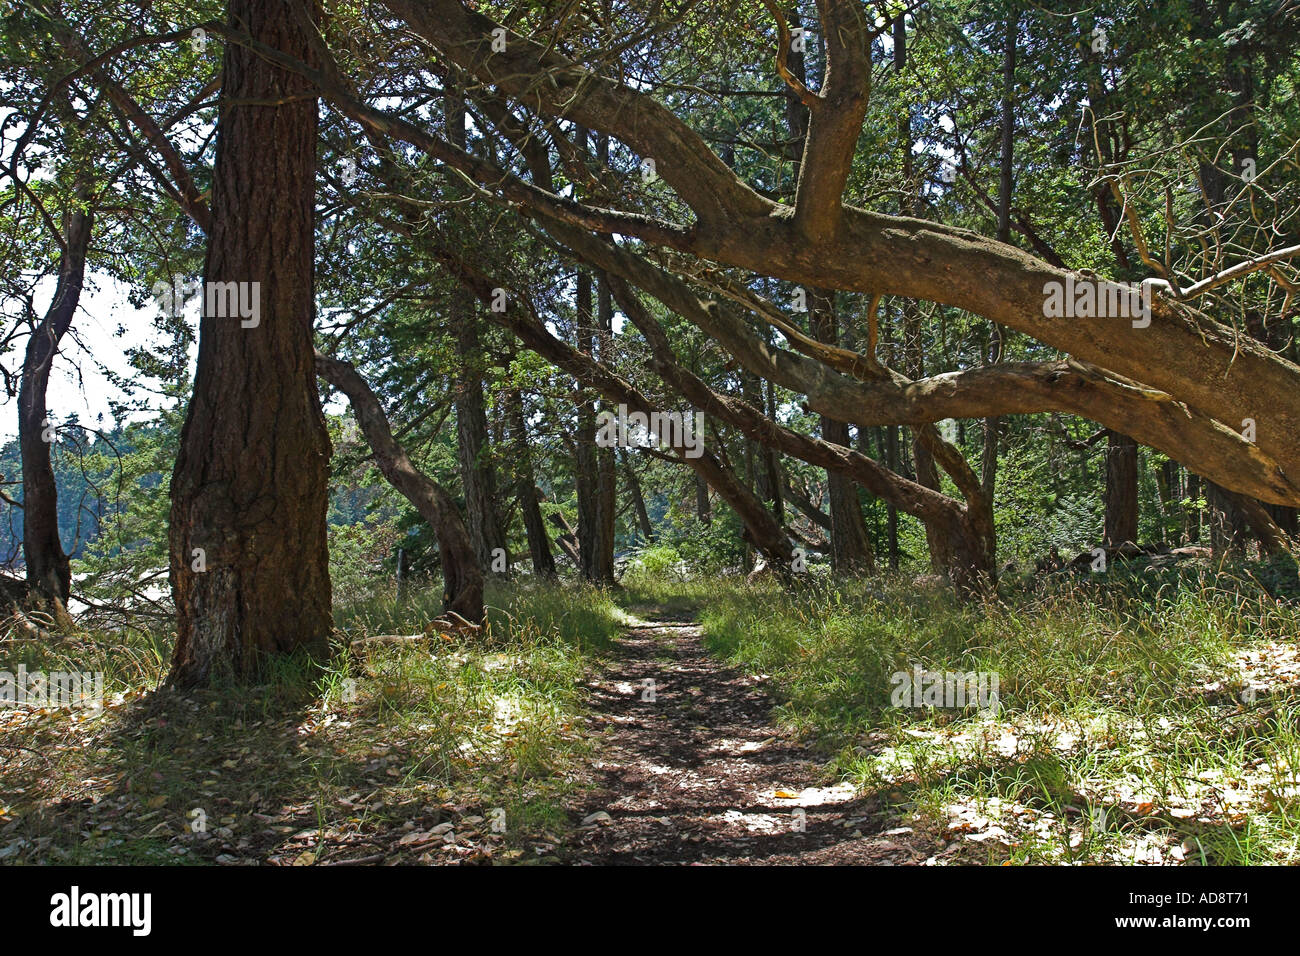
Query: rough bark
pixel 477 472
pixel 593 466
pixel 462 575
pixel 250 485
pixel 761 460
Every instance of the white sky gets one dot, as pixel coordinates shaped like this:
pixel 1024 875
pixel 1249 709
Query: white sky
pixel 86 390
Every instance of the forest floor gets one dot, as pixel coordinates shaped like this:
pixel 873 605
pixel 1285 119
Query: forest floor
pixel 689 767
pixel 690 722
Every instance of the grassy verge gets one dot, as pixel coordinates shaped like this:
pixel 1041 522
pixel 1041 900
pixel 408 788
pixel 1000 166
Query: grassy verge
pixel 447 749
pixel 1146 720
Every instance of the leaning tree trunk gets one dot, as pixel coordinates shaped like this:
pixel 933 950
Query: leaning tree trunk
pixel 249 554
pixel 49 575
pixel 462 576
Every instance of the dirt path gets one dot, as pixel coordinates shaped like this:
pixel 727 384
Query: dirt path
pixel 690 769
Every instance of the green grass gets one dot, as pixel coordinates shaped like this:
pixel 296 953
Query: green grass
pixel 314 763
pixel 1127 729
pixel 1123 730
pixel 668 596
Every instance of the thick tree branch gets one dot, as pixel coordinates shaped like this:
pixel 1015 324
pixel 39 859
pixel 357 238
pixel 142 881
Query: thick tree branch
pixel 836 118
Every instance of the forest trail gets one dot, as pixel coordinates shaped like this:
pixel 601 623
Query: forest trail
pixel 691 769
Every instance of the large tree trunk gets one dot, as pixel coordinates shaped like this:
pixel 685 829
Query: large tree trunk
pixel 593 466
pixel 850 544
pixel 249 559
pixel 1121 490
pixel 462 576
pixel 49 576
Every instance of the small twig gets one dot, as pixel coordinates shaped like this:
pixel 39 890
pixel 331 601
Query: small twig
pixel 30 750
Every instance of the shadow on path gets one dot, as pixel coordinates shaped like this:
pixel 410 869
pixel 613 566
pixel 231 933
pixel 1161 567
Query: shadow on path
pixel 690 768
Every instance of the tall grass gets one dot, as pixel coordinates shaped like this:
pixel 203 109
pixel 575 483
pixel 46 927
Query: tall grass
pixel 1125 725
pixel 486 719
